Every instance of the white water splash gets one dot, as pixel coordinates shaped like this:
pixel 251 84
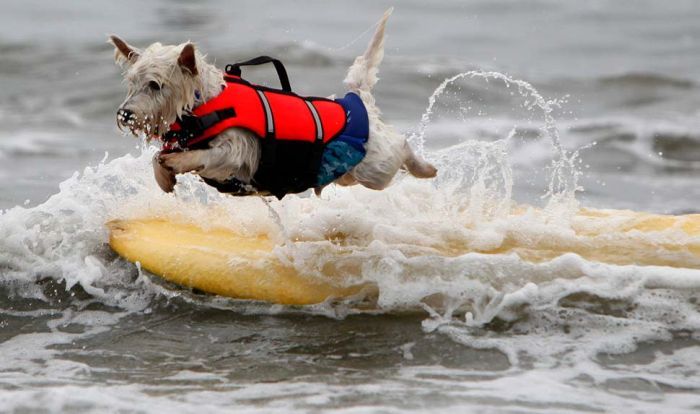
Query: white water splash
pixel 564 171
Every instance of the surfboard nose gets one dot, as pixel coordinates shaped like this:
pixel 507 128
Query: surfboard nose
pixel 115 226
pixel 222 262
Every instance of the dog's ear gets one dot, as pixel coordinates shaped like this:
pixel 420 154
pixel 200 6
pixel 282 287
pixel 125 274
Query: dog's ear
pixel 123 53
pixel 187 59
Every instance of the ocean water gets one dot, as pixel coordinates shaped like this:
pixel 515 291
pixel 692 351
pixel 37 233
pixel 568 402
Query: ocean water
pixel 546 103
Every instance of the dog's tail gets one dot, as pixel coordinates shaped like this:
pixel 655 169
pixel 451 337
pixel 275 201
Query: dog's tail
pixel 362 75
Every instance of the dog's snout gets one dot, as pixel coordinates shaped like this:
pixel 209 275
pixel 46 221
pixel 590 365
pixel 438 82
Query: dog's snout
pixel 125 114
pixel 125 118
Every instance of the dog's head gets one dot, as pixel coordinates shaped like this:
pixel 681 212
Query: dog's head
pixel 162 83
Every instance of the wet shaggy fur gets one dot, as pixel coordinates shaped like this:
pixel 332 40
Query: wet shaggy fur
pixel 165 81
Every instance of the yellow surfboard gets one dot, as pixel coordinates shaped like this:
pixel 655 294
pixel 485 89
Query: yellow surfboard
pixel 217 261
pixel 225 263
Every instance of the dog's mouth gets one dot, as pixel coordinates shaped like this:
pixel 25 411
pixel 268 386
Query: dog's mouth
pixel 139 126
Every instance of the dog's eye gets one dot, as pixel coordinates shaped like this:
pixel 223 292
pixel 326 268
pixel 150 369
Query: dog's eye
pixel 154 85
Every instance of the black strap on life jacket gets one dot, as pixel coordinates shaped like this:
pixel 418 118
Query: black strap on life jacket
pixel 231 186
pixel 192 126
pixel 235 69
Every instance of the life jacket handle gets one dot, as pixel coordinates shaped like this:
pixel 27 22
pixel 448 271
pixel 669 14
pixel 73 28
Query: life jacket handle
pixel 235 69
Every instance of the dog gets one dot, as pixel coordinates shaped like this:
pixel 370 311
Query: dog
pixel 166 82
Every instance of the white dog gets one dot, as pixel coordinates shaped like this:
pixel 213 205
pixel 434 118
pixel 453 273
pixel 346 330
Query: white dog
pixel 167 82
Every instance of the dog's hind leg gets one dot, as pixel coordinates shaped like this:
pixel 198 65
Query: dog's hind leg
pixel 417 166
pixel 346 180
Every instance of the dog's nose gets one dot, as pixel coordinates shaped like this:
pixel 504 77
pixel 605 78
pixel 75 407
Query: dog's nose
pixel 124 115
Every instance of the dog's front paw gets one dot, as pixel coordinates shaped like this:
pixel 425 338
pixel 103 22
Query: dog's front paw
pixel 164 177
pixel 180 162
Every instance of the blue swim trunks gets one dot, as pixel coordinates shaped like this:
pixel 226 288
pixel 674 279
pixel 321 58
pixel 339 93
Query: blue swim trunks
pixel 348 149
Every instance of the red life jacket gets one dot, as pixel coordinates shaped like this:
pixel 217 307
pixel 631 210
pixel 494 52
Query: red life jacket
pixel 269 113
pixel 293 126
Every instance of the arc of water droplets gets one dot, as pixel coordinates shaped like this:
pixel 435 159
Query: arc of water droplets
pixel 561 183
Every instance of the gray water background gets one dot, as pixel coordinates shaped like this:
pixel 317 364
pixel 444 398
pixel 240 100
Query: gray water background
pixel 629 69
